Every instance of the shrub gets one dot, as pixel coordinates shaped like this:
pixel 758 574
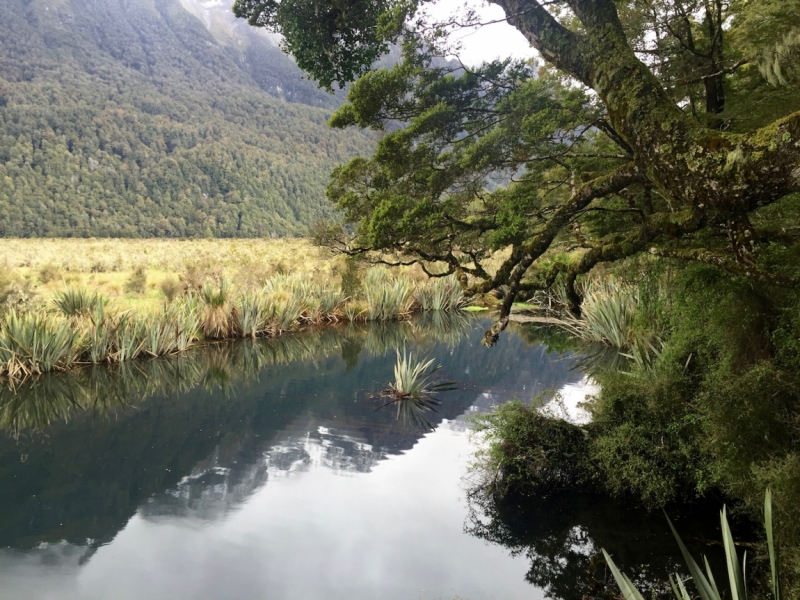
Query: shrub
pixel 48 273
pixel 171 288
pixel 137 282
pixel 530 452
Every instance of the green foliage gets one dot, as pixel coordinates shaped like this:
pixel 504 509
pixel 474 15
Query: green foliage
pixel 646 441
pixel 137 282
pixel 154 128
pixel 35 343
pixel 348 36
pixel 526 450
pixel 705 582
pixel 414 388
pixel 440 293
pixel 412 376
pixel 388 298
pixel 79 301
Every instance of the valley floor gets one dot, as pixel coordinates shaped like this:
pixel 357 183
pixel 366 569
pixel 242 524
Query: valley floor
pixel 38 268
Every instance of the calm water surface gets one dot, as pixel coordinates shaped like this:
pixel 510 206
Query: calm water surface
pixel 265 471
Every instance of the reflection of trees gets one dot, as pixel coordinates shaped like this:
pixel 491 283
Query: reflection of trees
pixel 562 536
pixel 192 431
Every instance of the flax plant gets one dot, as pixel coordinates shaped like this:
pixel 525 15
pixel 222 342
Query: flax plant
pixel 35 343
pixel 440 294
pixel 387 298
pixel 705 583
pixel 413 388
pixel 250 316
pixel 78 301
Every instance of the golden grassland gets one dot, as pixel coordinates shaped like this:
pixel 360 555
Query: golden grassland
pixel 66 303
pixel 46 266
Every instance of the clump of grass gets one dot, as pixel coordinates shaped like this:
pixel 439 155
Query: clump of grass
pixel 216 322
pixel 169 332
pixel 317 303
pixel 607 314
pixel 440 293
pixel 78 301
pixel 608 319
pixel 137 282
pixel 251 317
pixel 354 311
pixel 413 389
pixel 102 337
pixel 170 287
pixel 387 298
pixel 36 343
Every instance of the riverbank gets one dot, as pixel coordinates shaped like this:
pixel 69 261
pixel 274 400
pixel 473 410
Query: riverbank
pixel 80 326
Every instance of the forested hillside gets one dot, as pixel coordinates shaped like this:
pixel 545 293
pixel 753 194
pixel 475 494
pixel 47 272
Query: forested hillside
pixel 136 118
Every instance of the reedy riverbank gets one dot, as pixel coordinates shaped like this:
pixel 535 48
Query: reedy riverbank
pixel 41 400
pixel 82 327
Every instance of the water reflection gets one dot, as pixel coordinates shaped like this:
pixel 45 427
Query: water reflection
pixel 561 538
pixel 262 468
pixel 200 432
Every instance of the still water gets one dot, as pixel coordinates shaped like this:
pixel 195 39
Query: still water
pixel 264 470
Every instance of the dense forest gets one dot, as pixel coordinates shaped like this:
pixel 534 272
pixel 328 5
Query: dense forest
pixel 130 118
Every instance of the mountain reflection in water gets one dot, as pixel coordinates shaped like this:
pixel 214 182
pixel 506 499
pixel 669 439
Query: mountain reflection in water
pixel 259 469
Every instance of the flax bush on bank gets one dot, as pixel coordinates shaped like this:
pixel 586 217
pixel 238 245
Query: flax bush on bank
pixel 83 326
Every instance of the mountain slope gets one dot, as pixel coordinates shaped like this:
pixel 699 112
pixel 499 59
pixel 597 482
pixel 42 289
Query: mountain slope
pixel 131 118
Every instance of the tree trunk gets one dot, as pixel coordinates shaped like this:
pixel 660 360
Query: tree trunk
pixel 723 175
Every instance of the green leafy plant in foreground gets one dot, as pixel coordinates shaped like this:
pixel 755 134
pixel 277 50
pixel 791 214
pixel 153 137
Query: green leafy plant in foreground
pixel 707 586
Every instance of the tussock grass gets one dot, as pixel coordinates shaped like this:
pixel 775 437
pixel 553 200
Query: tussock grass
pixel 413 389
pixel 78 301
pixel 608 324
pixel 388 298
pixel 442 293
pixel 83 326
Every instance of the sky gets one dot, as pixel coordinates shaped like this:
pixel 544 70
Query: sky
pixel 499 40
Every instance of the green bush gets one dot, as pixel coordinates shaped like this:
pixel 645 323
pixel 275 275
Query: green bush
pixel 531 452
pixel 137 282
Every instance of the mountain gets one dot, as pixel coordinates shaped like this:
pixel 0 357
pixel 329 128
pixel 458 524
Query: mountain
pixel 157 118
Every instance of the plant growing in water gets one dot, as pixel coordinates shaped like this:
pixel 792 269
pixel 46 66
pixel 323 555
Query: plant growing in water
pixel 414 388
